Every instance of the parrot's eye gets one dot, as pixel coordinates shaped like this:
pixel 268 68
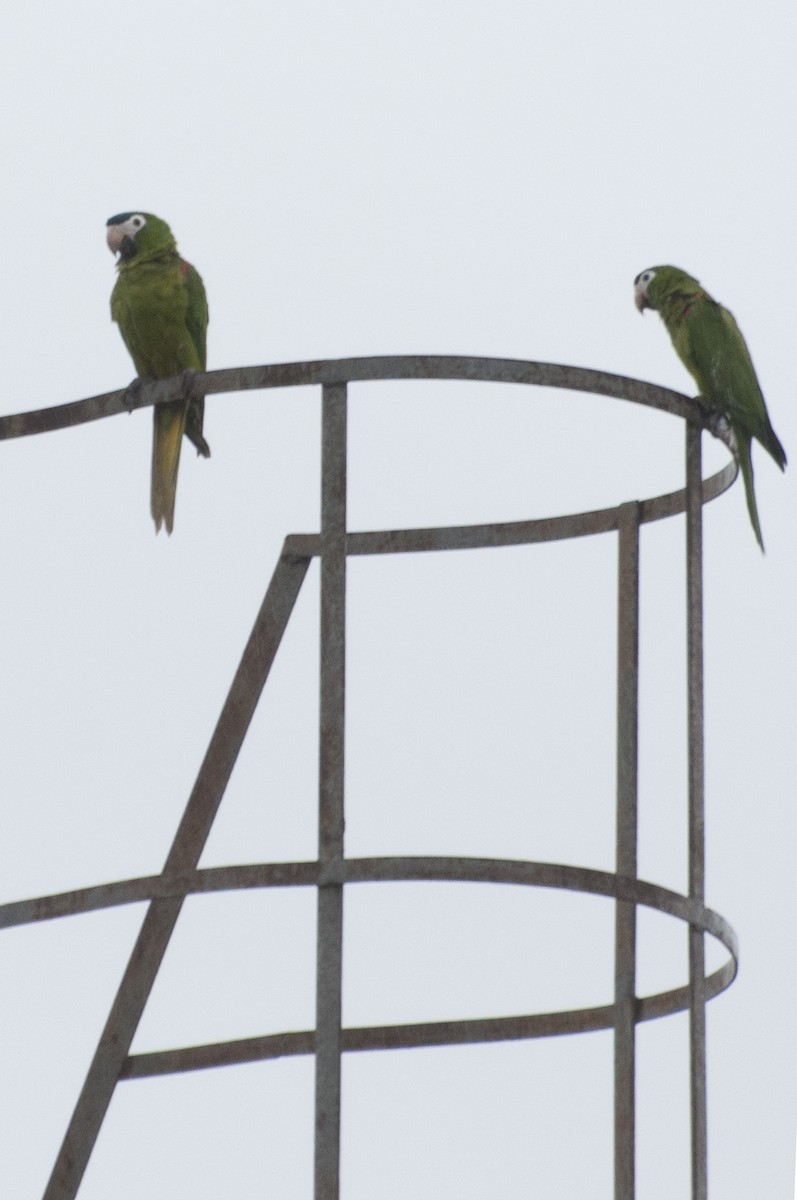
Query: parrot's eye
pixel 137 221
pixel 647 276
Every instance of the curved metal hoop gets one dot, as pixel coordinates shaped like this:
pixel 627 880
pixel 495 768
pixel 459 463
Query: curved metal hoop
pixel 336 372
pixel 404 869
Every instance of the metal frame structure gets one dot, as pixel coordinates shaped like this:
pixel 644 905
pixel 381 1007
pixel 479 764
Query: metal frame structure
pixel 332 871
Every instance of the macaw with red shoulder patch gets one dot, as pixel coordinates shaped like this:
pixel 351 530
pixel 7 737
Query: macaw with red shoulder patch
pixel 160 306
pixel 711 347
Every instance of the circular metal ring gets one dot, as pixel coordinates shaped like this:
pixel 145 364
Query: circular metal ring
pixel 558 876
pixel 419 367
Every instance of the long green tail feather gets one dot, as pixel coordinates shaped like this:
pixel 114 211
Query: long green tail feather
pixel 746 463
pixel 169 423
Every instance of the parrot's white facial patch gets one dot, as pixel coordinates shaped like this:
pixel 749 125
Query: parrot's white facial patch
pixel 124 231
pixel 641 284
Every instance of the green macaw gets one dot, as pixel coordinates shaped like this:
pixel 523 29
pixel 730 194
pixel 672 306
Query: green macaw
pixel 711 347
pixel 159 304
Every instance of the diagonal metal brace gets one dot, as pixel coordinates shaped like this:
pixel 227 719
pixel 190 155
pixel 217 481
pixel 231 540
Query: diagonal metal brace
pixel 189 841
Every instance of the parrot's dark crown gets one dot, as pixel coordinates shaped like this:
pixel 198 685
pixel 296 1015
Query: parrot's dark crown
pixel 120 218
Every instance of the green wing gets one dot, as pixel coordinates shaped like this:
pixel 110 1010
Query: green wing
pixel 196 317
pixel 724 371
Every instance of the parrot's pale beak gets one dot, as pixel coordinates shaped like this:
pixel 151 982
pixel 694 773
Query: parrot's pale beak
pixel 120 242
pixel 640 299
pixel 115 236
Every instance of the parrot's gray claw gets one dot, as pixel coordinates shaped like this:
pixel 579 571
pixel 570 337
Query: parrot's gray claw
pixel 131 394
pixel 716 421
pixel 188 382
pixel 719 425
pixel 721 428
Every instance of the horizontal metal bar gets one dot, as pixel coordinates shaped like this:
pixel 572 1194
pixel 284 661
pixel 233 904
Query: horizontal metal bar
pixel 559 876
pixel 510 533
pixel 149 887
pixel 359 370
pixel 405 1037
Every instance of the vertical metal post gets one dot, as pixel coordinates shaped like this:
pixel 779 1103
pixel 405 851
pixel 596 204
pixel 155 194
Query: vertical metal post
pixel 329 961
pixel 697 972
pixel 625 911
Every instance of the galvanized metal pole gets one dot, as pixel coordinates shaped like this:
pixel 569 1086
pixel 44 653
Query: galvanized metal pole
pixel 697 961
pixel 625 911
pixel 329 961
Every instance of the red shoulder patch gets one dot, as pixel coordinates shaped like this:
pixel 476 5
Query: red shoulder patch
pixel 184 267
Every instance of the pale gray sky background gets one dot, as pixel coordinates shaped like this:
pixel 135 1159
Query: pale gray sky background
pixel 355 178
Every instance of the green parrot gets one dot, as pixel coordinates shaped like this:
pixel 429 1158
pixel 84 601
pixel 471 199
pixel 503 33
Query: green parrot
pixel 159 304
pixel 711 347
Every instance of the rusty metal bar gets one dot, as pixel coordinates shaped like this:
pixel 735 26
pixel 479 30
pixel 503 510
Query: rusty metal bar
pixel 625 1006
pixel 478 1030
pixel 329 961
pixel 403 869
pixel 489 1029
pixel 187 846
pixel 357 370
pixel 697 847
pixel 511 533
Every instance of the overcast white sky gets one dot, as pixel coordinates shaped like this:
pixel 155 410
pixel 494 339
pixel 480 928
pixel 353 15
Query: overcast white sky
pixel 354 178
